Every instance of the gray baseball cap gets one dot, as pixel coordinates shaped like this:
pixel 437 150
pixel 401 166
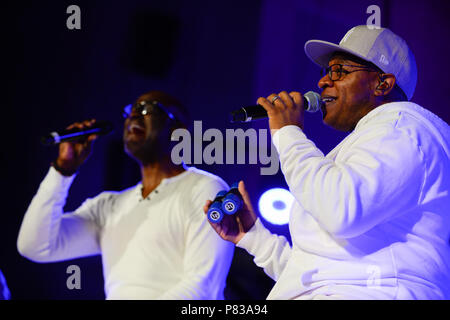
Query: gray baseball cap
pixel 379 46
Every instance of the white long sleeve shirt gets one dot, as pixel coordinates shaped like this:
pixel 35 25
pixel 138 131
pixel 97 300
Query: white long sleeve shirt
pixel 371 219
pixel 160 247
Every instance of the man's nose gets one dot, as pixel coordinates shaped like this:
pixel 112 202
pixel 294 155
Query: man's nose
pixel 136 112
pixel 324 82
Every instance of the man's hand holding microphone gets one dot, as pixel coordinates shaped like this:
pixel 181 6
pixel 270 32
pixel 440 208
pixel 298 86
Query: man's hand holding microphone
pixel 72 154
pixel 284 109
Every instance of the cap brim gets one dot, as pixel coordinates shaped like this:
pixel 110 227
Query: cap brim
pixel 320 51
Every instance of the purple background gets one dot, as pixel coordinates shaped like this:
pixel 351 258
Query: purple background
pixel 214 55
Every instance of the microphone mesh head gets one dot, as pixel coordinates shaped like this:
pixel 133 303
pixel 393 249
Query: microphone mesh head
pixel 314 101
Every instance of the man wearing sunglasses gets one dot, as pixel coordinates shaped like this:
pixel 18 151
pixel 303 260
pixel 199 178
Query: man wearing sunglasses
pixel 154 240
pixel 371 219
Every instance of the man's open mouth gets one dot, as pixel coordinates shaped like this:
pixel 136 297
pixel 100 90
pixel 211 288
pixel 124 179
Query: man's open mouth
pixel 328 99
pixel 136 128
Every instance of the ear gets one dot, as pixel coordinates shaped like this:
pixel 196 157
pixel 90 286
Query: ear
pixel 386 84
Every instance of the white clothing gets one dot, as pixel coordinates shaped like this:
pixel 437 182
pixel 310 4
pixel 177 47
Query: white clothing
pixel 161 247
pixel 371 219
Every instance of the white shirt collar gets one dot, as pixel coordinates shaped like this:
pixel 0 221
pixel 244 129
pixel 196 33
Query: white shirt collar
pixel 137 192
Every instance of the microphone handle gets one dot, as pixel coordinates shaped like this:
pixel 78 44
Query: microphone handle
pixel 75 134
pixel 250 113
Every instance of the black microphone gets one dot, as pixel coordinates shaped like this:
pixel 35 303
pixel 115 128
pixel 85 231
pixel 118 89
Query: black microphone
pixel 311 99
pixel 74 134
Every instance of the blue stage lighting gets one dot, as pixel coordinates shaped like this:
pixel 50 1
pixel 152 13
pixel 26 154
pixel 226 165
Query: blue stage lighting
pixel 275 205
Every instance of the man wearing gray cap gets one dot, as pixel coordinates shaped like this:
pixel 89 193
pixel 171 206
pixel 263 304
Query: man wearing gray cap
pixel 371 218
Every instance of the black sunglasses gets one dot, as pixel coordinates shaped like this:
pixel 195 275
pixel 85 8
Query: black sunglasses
pixel 145 107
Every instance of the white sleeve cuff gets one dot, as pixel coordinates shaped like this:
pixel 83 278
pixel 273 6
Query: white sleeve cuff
pixel 286 134
pixel 254 238
pixel 55 180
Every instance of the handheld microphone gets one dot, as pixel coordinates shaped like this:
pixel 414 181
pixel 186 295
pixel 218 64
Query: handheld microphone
pixel 311 99
pixel 56 137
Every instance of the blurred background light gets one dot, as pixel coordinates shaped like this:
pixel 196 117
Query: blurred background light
pixel 275 205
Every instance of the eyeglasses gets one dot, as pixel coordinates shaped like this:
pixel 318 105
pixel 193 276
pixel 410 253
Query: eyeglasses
pixel 145 107
pixel 336 71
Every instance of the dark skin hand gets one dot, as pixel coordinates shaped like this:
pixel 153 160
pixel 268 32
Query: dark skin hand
pixel 233 227
pixel 288 110
pixel 73 154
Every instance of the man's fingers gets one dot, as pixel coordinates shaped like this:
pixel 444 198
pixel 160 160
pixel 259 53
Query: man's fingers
pixel 89 123
pixel 85 142
pixel 74 125
pixel 296 97
pixel 206 206
pixel 244 194
pixel 247 217
pixel 92 137
pixel 276 100
pixel 266 104
pixel 287 99
pixel 82 125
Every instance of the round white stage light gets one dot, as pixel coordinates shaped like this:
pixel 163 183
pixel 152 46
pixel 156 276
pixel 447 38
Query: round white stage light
pixel 275 205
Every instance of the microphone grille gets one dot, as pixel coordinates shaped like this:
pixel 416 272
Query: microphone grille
pixel 314 101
